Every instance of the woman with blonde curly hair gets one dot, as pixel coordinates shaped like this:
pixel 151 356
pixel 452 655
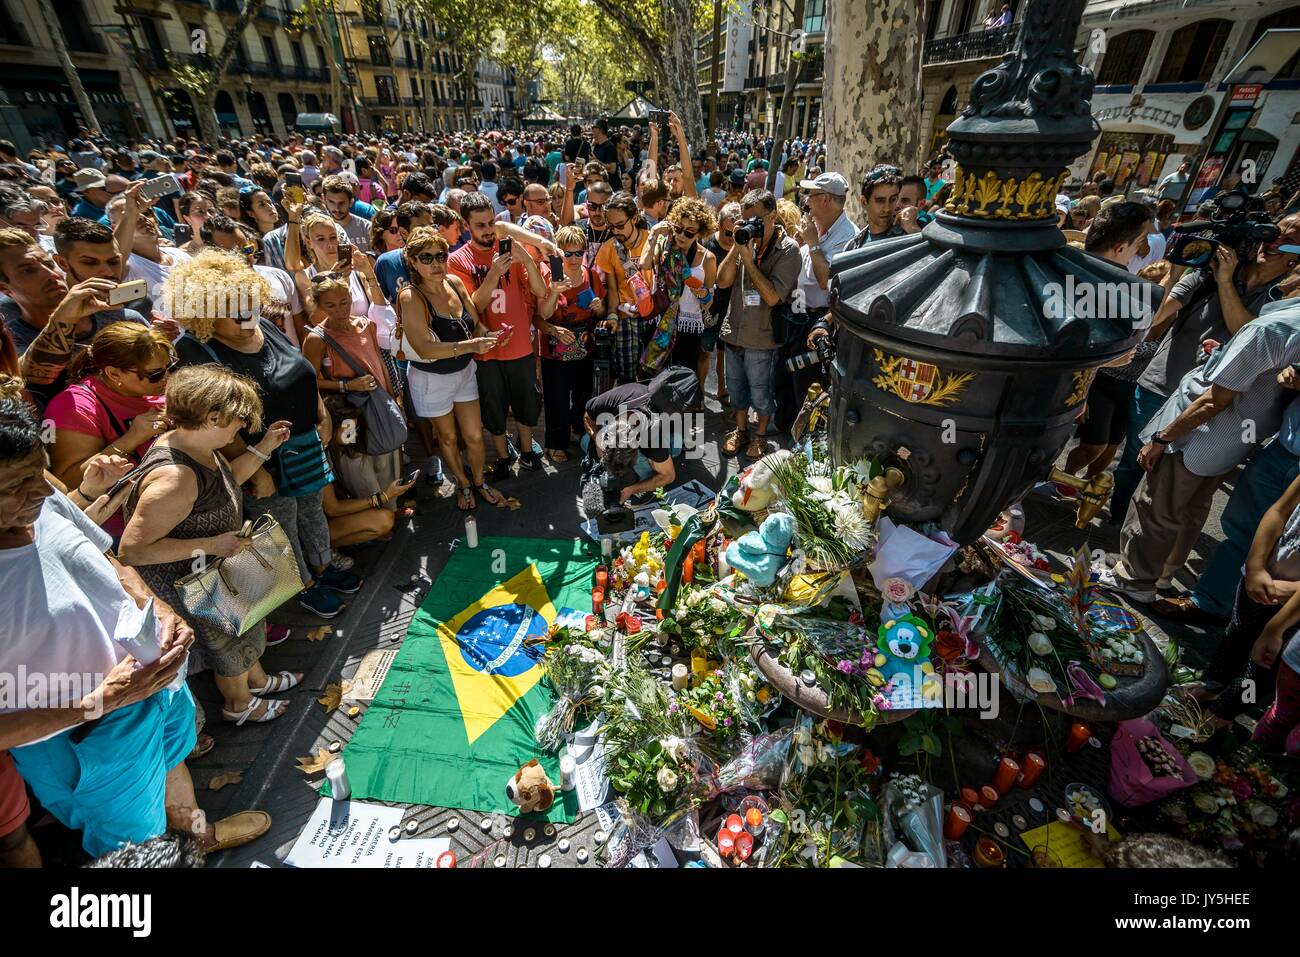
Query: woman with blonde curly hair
pixel 685 269
pixel 215 298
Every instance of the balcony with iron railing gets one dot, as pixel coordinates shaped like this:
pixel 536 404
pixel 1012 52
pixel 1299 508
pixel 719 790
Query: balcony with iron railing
pixel 976 45
pixel 379 101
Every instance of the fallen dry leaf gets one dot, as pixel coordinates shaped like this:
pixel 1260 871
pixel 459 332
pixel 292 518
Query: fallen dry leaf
pixel 219 781
pixel 318 634
pixel 332 698
pixel 309 764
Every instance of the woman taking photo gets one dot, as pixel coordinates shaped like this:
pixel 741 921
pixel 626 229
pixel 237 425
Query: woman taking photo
pixel 202 297
pixel 571 307
pixel 115 403
pixel 686 270
pixel 186 502
pixel 440 329
pixel 320 250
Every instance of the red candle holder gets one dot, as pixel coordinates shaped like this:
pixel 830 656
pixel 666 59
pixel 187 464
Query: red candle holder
pixel 597 601
pixel 735 824
pixel 602 578
pixel 688 570
pixel 1078 736
pixel 744 846
pixel 1033 766
pixel 726 843
pixel 970 798
pixel 957 822
pixel 1005 776
pixel 988 796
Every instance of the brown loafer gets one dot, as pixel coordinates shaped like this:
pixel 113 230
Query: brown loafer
pixel 1182 608
pixel 238 829
pixel 733 442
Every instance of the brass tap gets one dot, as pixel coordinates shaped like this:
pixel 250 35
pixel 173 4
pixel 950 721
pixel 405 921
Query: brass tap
pixel 812 415
pixel 879 491
pixel 1093 494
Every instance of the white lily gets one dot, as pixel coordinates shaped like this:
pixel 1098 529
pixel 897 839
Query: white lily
pixel 1040 681
pixel 674 747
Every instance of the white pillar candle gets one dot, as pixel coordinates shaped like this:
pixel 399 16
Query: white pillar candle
pixel 568 770
pixel 471 531
pixel 679 677
pixel 606 546
pixel 337 774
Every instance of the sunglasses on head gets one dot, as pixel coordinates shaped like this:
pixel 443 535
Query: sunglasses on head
pixel 157 375
pixel 428 259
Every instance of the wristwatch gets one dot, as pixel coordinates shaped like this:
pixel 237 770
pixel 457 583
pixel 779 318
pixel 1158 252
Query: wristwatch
pixel 1160 441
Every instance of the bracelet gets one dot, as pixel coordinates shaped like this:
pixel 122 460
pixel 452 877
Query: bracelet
pixel 343 385
pixel 257 453
pixel 78 491
pixel 1160 441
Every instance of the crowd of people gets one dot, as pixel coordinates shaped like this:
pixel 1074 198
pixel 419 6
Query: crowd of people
pixel 195 337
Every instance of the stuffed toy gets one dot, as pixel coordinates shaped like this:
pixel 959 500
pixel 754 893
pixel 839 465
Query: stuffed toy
pixel 905 644
pixel 531 789
pixel 757 488
pixel 760 554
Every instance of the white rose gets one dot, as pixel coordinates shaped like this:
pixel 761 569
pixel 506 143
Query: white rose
pixel 674 747
pixel 667 779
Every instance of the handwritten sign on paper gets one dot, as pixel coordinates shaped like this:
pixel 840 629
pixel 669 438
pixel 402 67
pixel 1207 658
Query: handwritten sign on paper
pixel 1066 842
pixel 345 834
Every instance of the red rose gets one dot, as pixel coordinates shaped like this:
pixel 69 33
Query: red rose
pixel 869 761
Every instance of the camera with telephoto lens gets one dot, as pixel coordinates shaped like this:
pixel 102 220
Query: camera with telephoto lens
pixel 823 355
pixel 604 478
pixel 1236 220
pixel 747 230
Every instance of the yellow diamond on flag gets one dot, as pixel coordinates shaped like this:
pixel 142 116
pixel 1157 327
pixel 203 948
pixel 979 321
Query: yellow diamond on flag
pixel 489 657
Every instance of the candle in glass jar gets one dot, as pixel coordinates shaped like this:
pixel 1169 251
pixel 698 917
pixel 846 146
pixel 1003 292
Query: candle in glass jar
pixel 988 854
pixel 1078 736
pixel 1005 776
pixel 680 675
pixel 744 846
pixel 597 600
pixel 471 531
pixel 735 824
pixel 726 842
pixel 958 820
pixel 1033 767
pixel 606 546
pixel 602 578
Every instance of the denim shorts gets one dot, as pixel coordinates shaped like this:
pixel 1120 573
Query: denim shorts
pixel 749 379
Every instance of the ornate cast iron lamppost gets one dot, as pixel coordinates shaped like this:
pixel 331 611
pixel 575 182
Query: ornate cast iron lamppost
pixel 966 351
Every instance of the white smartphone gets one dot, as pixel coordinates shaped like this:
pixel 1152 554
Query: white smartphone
pixel 126 292
pixel 158 187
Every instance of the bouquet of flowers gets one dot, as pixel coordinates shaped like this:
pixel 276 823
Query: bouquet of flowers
pixel 576 669
pixel 701 618
pixel 1244 806
pixel 725 701
pixel 826 503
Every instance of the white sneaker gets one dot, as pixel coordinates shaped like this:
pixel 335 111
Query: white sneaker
pixel 342 562
pixel 1164 584
pixel 1106 578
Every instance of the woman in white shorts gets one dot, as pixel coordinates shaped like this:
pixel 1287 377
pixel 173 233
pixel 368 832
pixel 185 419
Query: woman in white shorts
pixel 439 331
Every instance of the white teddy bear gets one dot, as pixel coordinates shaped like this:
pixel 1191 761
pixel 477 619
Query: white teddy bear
pixel 757 490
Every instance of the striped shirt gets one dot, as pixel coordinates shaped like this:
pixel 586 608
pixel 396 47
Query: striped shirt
pixel 1248 365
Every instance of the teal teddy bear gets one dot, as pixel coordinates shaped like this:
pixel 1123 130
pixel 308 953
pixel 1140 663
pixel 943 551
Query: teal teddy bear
pixel 905 644
pixel 760 554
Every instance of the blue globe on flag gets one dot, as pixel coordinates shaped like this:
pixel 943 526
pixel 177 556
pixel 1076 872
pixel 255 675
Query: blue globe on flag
pixel 492 641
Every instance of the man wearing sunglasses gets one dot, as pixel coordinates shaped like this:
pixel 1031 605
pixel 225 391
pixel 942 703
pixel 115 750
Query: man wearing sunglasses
pixel 594 225
pixel 510 192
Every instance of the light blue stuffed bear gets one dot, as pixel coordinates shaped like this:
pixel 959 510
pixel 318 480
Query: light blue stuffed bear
pixel 760 554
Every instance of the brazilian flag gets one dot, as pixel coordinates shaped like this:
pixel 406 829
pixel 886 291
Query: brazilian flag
pixel 454 717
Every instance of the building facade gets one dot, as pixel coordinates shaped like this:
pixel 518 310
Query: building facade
pixel 1160 67
pixel 372 63
pixel 752 50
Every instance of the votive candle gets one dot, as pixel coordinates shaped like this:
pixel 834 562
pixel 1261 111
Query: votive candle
pixel 970 798
pixel 1005 776
pixel 988 796
pixel 1078 736
pixel 1033 766
pixel 958 820
pixel 597 600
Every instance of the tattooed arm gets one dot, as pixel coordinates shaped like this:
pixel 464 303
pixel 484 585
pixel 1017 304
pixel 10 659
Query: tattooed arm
pixel 51 351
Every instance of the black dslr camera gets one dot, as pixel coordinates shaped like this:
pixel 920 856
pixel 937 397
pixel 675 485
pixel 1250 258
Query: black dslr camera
pixel 823 355
pixel 603 481
pixel 1236 220
pixel 747 230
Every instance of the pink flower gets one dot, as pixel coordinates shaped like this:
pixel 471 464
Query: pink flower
pixel 1241 790
pixel 897 590
pixel 846 667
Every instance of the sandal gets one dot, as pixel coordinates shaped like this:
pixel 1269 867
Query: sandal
pixel 734 440
pixel 202 745
pixel 278 682
pixel 490 495
pixel 236 830
pixel 557 456
pixel 275 707
pixel 757 447
pixel 465 500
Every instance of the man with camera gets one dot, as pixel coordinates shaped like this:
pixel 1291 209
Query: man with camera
pixel 1210 424
pixel 825 231
pixel 1206 303
pixel 761 270
pixel 633 433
